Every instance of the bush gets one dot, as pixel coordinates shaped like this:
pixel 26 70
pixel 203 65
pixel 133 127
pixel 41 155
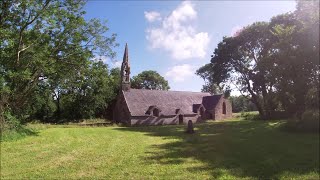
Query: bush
pixel 10 121
pixel 12 129
pixel 250 116
pixel 254 115
pixel 309 122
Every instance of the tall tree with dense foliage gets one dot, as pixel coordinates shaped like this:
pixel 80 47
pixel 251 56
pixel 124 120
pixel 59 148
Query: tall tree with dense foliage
pixel 239 59
pixel 276 63
pixel 149 80
pixel 44 44
pixel 296 63
pixel 90 94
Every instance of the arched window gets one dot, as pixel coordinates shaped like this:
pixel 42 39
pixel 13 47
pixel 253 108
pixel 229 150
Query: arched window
pixel 224 109
pixel 156 112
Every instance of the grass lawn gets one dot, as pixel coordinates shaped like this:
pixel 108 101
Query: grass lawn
pixel 233 149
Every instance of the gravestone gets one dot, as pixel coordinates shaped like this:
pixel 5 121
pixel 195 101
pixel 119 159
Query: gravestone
pixel 190 129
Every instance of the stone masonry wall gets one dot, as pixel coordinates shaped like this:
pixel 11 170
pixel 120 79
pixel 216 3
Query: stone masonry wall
pixel 163 120
pixel 121 112
pixel 218 111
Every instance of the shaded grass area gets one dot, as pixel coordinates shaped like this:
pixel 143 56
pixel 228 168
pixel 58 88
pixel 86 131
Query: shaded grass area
pixel 241 149
pixel 221 150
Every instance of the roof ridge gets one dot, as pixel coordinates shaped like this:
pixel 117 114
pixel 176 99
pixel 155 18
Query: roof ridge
pixel 170 91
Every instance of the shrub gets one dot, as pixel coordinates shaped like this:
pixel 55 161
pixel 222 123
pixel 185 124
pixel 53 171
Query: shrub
pixel 309 122
pixel 10 121
pixel 250 116
pixel 11 127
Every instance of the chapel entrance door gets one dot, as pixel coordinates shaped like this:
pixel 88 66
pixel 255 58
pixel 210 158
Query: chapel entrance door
pixel 180 119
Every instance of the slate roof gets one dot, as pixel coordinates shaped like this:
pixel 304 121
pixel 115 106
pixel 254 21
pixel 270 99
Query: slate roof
pixel 210 102
pixel 139 101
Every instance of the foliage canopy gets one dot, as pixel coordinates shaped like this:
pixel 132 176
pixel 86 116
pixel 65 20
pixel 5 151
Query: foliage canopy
pixel 47 52
pixel 149 80
pixel 276 63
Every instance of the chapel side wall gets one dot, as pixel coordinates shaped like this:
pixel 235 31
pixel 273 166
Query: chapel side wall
pixel 229 109
pixel 218 111
pixel 153 120
pixel 163 120
pixel 121 112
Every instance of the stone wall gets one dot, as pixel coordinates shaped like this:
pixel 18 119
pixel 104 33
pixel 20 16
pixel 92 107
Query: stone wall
pixel 163 120
pixel 218 111
pixel 121 112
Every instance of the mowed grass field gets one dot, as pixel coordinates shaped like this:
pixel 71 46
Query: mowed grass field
pixel 233 149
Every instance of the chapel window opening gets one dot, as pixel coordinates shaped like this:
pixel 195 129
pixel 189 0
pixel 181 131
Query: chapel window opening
pixel 156 112
pixel 224 109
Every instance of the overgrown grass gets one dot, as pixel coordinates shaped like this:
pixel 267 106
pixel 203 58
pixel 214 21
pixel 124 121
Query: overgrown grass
pixel 233 149
pixel 16 133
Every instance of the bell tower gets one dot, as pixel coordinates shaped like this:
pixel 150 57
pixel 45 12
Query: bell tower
pixel 125 71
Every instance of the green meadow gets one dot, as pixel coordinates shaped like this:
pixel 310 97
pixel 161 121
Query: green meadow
pixel 233 149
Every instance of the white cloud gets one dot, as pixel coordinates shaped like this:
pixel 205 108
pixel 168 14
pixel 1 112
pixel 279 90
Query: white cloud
pixel 104 59
pixel 107 60
pixel 178 36
pixel 152 16
pixel 236 30
pixel 117 64
pixel 180 73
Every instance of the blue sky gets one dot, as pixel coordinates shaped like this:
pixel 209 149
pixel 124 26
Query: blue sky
pixel 175 38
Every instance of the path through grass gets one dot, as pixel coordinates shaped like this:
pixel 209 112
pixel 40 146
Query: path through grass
pixel 220 150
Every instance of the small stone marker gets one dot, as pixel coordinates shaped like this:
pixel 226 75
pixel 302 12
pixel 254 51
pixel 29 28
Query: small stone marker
pixel 190 129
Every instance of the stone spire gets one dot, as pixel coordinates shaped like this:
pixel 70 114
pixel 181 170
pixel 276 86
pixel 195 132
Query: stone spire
pixel 125 71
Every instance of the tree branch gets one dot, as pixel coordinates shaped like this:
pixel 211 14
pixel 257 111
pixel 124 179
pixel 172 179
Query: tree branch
pixel 25 26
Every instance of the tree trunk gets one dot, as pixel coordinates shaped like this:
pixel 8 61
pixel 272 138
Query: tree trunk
pixel 254 100
pixel 58 109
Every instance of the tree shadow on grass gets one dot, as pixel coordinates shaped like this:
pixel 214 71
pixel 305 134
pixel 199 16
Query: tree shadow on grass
pixel 239 148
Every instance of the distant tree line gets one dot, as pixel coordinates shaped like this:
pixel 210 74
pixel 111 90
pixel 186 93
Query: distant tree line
pixel 241 104
pixel 275 63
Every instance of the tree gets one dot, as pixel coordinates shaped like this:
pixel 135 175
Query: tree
pixel 89 95
pixel 296 63
pixel 46 41
pixel 149 80
pixel 240 59
pixel 271 61
pixel 241 103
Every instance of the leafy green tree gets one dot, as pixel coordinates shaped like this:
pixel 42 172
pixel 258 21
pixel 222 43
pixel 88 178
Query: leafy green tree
pixel 274 62
pixel 296 63
pixel 241 103
pixel 46 40
pixel 149 80
pixel 115 79
pixel 90 94
pixel 240 59
pixel 43 106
